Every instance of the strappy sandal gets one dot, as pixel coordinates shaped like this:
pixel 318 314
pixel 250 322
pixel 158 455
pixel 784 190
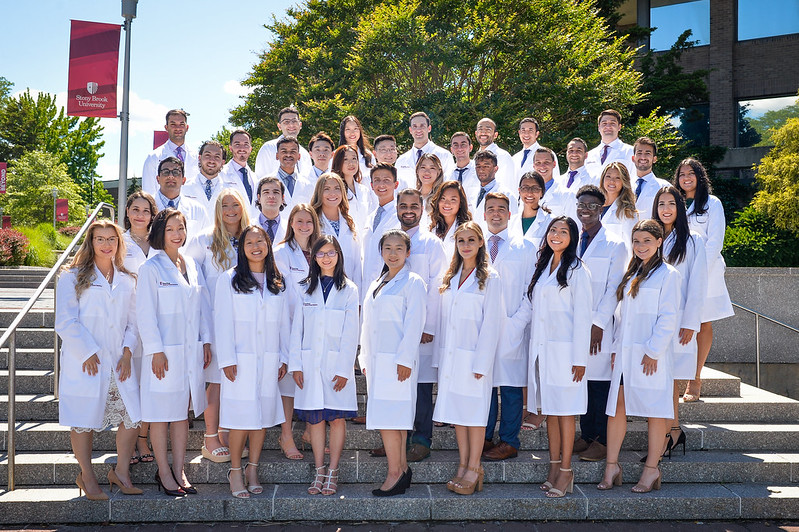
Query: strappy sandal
pixel 331 485
pixel 219 455
pixel 316 486
pixel 241 494
pixel 147 457
pixel 547 485
pixel 464 487
pixel 255 489
pixel 640 488
pixel 530 425
pixel 454 480
pixel 615 481
pixel 555 493
pixel 291 453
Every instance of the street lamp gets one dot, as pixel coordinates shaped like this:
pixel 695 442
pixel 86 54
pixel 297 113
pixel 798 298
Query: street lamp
pixel 55 196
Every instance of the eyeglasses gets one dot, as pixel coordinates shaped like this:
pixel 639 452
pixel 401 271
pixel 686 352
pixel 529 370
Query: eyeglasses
pixel 386 150
pixel 290 121
pixel 166 172
pixel 590 206
pixel 322 254
pixel 534 190
pixel 102 240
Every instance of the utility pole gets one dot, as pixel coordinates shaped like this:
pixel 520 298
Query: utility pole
pixel 129 13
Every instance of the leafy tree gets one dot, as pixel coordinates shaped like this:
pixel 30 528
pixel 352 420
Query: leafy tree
pixel 747 135
pixel 5 87
pixel 753 240
pixel 29 198
pixel 771 121
pixel 778 177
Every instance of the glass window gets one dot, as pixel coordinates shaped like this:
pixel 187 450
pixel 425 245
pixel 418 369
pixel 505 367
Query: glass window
pixel 672 17
pixel 758 119
pixel 767 18
pixel 694 124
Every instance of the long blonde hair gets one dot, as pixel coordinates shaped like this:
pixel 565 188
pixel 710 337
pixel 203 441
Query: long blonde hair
pixel 83 261
pixel 626 200
pixel 220 237
pixel 343 207
pixel 481 269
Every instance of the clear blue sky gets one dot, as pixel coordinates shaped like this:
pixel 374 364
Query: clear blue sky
pixel 185 53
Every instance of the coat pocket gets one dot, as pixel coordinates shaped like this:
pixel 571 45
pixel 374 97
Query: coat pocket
pixel 386 385
pixel 244 387
pixel 656 381
pixel 175 377
pixel 74 382
pixel 464 381
pixel 557 364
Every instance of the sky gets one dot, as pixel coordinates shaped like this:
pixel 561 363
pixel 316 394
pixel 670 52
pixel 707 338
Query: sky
pixel 189 54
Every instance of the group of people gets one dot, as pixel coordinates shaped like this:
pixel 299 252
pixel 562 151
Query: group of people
pixel 253 296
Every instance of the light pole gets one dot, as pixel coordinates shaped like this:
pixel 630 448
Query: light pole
pixel 55 196
pixel 129 13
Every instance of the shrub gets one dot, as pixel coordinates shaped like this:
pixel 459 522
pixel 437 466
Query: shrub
pixel 753 239
pixel 41 247
pixel 69 231
pixel 13 247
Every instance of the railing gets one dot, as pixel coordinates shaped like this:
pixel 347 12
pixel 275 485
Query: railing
pixel 10 338
pixel 758 315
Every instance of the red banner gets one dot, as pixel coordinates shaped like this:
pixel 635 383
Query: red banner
pixel 159 138
pixel 3 168
pixel 93 66
pixel 6 222
pixel 61 210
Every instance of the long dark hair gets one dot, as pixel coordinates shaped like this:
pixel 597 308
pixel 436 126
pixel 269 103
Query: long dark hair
pixel 314 271
pixel 637 270
pixel 682 231
pixel 568 261
pixel 437 223
pixel 363 141
pixel 243 280
pixel 399 233
pixel 703 186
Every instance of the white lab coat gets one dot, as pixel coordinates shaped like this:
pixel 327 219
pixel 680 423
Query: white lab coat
pixel 646 325
pixel 467 344
pixel 361 203
pixel 197 219
pixel 266 162
pixel 469 181
pixel 324 340
pixel 231 174
pixel 101 322
pixel 506 168
pixel 392 327
pixel 406 163
pixel 528 164
pixel 619 151
pixel 256 328
pixel 134 258
pixel 427 260
pixel 478 211
pixel 372 258
pixel 562 200
pixel 646 200
pixel 149 174
pixel 535 233
pixel 693 290
pixel 620 227
pixel 606 260
pixel 350 246
pixel 303 191
pixel 449 243
pixel 172 315
pixel 195 189
pixel 711 227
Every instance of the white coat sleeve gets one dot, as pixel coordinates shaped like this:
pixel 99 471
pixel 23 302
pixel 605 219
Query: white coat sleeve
pixel 366 346
pixel 351 333
pixel 412 325
pixel 149 182
pixel 580 285
pixel 285 324
pixel 295 352
pixel 488 338
pixel 697 285
pixel 519 321
pixel 224 322
pixel 437 267
pixel 665 328
pixel 716 226
pixel 206 311
pixel 131 338
pixel 607 304
pixel 147 309
pixel 77 342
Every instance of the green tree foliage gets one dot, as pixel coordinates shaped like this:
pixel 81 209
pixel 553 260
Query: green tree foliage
pixel 29 199
pixel 771 121
pixel 5 87
pixel 778 177
pixel 458 61
pixel 753 240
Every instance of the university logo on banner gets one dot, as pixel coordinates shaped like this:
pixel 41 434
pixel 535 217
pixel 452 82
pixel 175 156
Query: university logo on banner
pixel 3 169
pixel 61 210
pixel 93 66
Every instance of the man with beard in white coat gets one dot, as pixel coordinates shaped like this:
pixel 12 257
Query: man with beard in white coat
pixel 170 182
pixel 237 170
pixel 176 127
pixel 562 198
pixel 205 188
pixel 289 124
pixel 646 185
pixel 486 135
pixel 384 183
pixel 297 188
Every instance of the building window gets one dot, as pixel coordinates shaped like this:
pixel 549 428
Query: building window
pixel 767 18
pixel 694 124
pixel 758 119
pixel 671 18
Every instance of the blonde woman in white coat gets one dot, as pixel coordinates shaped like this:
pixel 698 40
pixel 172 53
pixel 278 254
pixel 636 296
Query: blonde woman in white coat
pixel 215 251
pixel 324 341
pixel 471 314
pixel 641 383
pixel 393 320
pixel 619 214
pixel 706 217
pixel 95 319
pixel 173 312
pixel 140 210
pixel 251 312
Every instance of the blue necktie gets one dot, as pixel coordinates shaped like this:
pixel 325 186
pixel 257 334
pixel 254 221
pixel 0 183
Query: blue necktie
pixel 418 154
pixel 583 243
pixel 246 183
pixel 524 159
pixel 572 173
pixel 481 196
pixel 460 174
pixel 208 190
pixel 179 153
pixel 638 188
pixel 605 153
pixel 171 204
pixel 378 216
pixel 270 228
pixel 290 184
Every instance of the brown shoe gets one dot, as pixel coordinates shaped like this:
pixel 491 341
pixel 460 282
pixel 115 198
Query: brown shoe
pixel 580 445
pixel 502 451
pixel 488 445
pixel 360 420
pixel 378 451
pixel 595 452
pixel 417 452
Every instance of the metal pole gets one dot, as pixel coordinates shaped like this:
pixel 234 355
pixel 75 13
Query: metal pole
pixel 129 12
pixel 757 347
pixel 55 196
pixel 12 414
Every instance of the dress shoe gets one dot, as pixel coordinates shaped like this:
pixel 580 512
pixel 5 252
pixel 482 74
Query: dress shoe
pixel 360 420
pixel 488 445
pixel 502 451
pixel 580 445
pixel 378 452
pixel 595 452
pixel 418 452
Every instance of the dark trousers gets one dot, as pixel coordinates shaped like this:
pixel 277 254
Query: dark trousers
pixel 510 421
pixel 423 423
pixel 594 424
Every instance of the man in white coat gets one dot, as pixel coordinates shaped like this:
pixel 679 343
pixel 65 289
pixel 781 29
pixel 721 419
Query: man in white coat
pixel 514 260
pixel 270 208
pixel 460 145
pixel 385 149
pixel 643 180
pixel 321 149
pixel 176 127
pixel 562 198
pixel 237 170
pixel 289 124
pixel 605 257
pixel 170 180
pixel 486 135
pixel 529 131
pixel 485 166
pixel 420 128
pixel 298 188
pixel 205 188
pixel 611 148
pixel 384 183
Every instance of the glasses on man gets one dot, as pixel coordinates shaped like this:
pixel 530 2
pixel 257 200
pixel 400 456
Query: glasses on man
pixel 590 206
pixel 166 172
pixel 103 240
pixel 290 121
pixel 322 254
pixel 530 190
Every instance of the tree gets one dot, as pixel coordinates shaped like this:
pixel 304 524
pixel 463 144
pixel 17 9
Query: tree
pixel 29 198
pixel 5 87
pixel 771 121
pixel 778 177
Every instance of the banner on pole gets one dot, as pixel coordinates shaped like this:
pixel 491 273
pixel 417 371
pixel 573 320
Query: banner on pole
pixel 3 169
pixel 61 210
pixel 6 222
pixel 159 138
pixel 93 65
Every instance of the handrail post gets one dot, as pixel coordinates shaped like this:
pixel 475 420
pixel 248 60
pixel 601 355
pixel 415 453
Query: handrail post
pixel 12 424
pixel 56 358
pixel 757 348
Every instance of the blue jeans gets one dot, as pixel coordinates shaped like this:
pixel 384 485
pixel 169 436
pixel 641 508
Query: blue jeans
pixel 594 423
pixel 510 422
pixel 423 422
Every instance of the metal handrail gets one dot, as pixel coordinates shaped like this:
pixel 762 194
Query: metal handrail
pixel 758 315
pixel 10 337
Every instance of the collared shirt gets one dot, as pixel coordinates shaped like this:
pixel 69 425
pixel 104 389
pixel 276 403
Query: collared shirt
pixel 165 201
pixel 590 233
pixel 284 176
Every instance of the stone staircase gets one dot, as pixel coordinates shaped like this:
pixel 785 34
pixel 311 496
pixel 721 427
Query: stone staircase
pixel 742 462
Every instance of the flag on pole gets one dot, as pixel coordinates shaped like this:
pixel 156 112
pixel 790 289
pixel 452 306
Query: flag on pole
pixel 3 169
pixel 61 209
pixel 159 138
pixel 93 65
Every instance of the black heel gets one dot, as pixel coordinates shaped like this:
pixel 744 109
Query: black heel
pixel 190 490
pixel 172 493
pixel 669 445
pixel 398 488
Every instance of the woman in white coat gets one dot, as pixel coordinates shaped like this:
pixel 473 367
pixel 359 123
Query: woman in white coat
pixel 641 382
pixel 429 176
pixel 685 250
pixel 173 312
pixel 293 258
pixel 140 210
pixel 706 217
pixel 532 220
pixel 251 312
pixel 471 314
pixel 393 319
pixel 215 251
pixel 344 164
pixel 333 209
pixel 324 341
pixel 351 133
pixel 95 319
pixel 558 308
pixel 619 214
pixel 449 209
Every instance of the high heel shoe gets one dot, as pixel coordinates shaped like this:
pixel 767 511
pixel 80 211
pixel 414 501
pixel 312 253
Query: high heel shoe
pixel 640 488
pixel 669 444
pixel 692 391
pixel 464 487
pixel 190 490
pixel 82 489
pixel 172 493
pixel 672 444
pixel 240 494
pixel 398 488
pixel 290 450
pixel 255 489
pixel 555 493
pixel 457 478
pixel 114 479
pixel 316 486
pixel 547 485
pixel 331 484
pixel 615 481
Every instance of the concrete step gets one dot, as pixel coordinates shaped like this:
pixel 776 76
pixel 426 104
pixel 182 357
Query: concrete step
pixel 29 381
pixel 422 502
pixel 754 405
pixel 34 318
pixel 31 358
pixel 34 337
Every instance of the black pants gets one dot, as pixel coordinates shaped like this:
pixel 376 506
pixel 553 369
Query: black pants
pixel 594 424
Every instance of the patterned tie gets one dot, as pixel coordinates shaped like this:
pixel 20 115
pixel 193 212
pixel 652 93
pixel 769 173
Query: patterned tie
pixel 208 190
pixel 583 243
pixel 493 250
pixel 639 186
pixel 460 174
pixel 171 204
pixel 246 183
pixel 290 181
pixel 572 173
pixel 179 153
pixel 378 216
pixel 270 228
pixel 481 196
pixel 526 153
pixel 605 151
pixel 418 154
